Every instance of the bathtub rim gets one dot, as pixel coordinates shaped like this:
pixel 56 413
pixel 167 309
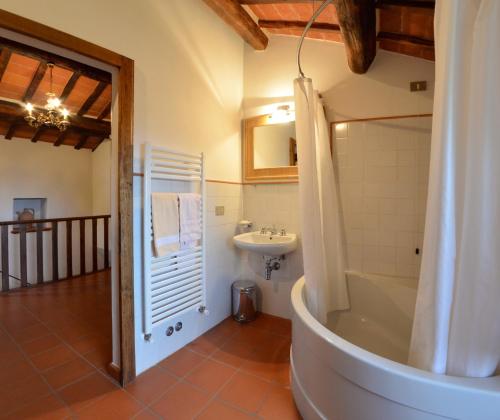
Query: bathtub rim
pixel 466 388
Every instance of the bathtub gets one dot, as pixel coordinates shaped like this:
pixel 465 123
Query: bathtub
pixel 337 379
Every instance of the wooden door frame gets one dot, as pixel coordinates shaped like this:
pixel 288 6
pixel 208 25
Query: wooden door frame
pixel 125 90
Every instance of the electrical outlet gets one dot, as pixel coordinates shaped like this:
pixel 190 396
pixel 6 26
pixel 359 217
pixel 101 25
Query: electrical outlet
pixel 219 210
pixel 418 86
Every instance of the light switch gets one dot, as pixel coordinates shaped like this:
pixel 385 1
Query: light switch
pixel 219 210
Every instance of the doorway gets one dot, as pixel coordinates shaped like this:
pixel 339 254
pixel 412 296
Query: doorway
pixel 123 364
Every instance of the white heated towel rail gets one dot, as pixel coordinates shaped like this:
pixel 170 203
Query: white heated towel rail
pixel 175 283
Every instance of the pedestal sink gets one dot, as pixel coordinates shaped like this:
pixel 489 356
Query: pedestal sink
pixel 267 244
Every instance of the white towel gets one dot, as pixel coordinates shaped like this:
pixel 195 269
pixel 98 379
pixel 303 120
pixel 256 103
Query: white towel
pixel 190 219
pixel 165 209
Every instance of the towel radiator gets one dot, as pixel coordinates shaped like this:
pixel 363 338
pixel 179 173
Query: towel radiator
pixel 175 283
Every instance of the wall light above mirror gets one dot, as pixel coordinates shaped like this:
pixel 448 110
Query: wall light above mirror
pixel 270 147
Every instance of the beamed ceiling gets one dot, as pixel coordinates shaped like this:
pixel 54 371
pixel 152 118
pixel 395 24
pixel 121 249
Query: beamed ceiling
pixel 84 90
pixel 401 26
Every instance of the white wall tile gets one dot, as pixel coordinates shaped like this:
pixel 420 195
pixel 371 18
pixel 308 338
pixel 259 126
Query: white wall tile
pixel 384 178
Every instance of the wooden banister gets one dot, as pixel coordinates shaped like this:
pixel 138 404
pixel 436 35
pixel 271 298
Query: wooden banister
pixel 23 228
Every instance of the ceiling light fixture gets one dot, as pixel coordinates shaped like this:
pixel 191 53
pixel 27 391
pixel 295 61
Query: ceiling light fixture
pixel 53 114
pixel 283 114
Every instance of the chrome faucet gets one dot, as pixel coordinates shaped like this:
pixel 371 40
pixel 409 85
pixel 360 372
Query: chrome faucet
pixel 273 231
pixel 283 232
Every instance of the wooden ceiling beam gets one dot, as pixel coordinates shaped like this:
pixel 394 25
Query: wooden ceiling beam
pixel 105 112
pixel 62 136
pixel 38 132
pixel 423 4
pixel 99 141
pixel 13 111
pixel 297 24
pixel 409 39
pixel 4 60
pixel 69 86
pixel 10 131
pixel 81 143
pixel 59 61
pixel 35 81
pixel 92 98
pixel 357 21
pixel 231 12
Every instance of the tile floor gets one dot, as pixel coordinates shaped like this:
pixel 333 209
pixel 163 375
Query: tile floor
pixel 54 346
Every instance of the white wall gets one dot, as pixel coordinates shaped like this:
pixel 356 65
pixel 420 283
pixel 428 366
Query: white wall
pixel 268 82
pixel 74 183
pixel 188 94
pixel 383 90
pixel 62 175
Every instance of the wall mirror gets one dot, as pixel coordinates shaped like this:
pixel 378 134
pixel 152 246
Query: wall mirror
pixel 269 150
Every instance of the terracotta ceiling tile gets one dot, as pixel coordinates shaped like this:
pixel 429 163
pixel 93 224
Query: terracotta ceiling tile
pixel 60 78
pixel 390 20
pixel 418 23
pixel 255 8
pixel 269 12
pixel 83 89
pixel 304 11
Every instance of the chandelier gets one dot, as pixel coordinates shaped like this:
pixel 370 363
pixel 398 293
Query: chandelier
pixel 52 115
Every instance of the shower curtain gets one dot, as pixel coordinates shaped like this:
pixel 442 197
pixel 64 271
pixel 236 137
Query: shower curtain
pixel 322 244
pixel 457 318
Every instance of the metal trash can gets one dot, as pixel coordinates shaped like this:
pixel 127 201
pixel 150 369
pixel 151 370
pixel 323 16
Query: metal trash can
pixel 244 300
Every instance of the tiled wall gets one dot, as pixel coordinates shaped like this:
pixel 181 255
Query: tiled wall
pixel 273 205
pixel 383 173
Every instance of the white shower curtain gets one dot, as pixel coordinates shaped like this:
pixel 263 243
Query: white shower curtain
pixel 457 318
pixel 323 250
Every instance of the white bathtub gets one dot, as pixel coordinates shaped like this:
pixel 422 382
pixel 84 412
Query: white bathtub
pixel 335 379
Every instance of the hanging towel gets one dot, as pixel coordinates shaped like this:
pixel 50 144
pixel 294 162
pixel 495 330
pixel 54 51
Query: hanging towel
pixel 165 209
pixel 190 219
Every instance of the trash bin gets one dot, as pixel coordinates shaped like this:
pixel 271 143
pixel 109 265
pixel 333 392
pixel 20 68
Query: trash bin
pixel 244 300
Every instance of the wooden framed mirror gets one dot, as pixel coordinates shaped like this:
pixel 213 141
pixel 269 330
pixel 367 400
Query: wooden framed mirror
pixel 269 150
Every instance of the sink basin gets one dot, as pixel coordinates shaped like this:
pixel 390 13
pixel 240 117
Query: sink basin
pixel 266 244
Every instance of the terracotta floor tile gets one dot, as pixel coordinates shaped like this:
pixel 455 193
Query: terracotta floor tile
pixel 72 334
pixel 14 397
pixel 253 336
pixel 115 405
pixel 40 344
pixel 182 362
pixel 151 384
pixel 53 357
pixel 205 345
pixel 100 358
pixel 273 324
pixel 69 372
pixel 279 405
pixel 86 391
pixel 219 411
pixel 45 408
pixel 234 353
pixel 91 342
pixel 210 376
pixel 245 391
pixel 17 372
pixel 147 414
pixel 30 333
pixel 181 402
